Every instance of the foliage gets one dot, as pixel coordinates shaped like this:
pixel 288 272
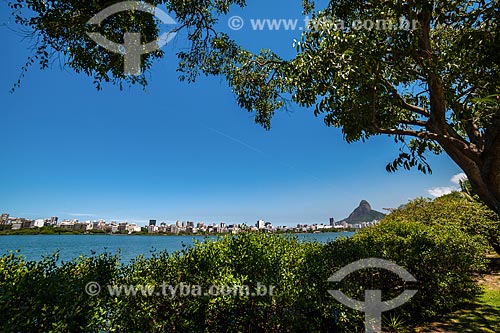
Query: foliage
pixel 443 258
pixel 456 208
pixel 47 230
pixel 245 260
pixel 430 82
pixel 467 189
pixel 49 295
pixel 395 324
pixel 59 29
pixel 5 227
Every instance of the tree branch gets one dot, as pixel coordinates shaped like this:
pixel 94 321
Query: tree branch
pixel 420 123
pixel 444 140
pixel 406 132
pixel 413 108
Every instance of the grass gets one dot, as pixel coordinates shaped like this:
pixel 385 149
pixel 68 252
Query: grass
pixel 480 316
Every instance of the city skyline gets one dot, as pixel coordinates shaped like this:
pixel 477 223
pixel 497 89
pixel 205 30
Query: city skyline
pixel 184 151
pixel 13 225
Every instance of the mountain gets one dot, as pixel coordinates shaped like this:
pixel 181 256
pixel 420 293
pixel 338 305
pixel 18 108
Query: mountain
pixel 364 213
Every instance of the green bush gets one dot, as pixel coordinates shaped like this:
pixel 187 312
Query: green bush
pixel 50 296
pixel 248 259
pixel 444 259
pixel 456 208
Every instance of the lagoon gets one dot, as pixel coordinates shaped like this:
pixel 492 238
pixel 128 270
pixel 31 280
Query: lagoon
pixel 34 247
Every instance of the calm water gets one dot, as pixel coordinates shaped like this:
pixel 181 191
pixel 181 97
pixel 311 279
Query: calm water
pixel 33 247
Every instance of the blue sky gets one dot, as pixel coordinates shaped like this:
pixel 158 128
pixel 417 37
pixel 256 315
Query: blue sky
pixel 183 151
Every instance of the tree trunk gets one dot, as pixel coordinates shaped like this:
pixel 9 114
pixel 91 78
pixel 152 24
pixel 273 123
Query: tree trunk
pixel 484 177
pixel 479 160
pixel 483 174
pixel 491 161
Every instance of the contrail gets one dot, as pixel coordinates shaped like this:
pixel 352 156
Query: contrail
pixel 236 140
pixel 289 166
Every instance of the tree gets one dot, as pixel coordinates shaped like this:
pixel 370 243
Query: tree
pixel 423 72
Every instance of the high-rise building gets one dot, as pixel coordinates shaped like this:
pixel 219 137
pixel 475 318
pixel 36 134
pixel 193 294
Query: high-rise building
pixel 53 220
pixel 260 224
pixel 122 226
pixel 332 221
pixel 152 222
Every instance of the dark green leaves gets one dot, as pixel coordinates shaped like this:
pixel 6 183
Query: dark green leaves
pixel 419 69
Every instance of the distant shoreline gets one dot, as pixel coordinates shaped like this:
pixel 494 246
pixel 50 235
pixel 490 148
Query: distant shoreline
pixel 34 232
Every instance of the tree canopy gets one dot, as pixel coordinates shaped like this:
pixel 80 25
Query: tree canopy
pixel 432 84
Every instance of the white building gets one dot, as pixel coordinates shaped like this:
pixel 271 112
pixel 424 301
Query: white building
pixel 39 223
pixel 131 228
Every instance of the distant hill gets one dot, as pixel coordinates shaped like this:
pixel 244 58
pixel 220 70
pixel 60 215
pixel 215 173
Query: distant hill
pixel 364 213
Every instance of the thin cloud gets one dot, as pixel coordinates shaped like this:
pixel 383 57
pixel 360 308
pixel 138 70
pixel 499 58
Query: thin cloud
pixel 136 221
pixel 80 214
pixel 443 190
pixel 440 191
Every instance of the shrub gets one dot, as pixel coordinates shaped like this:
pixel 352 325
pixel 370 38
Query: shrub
pixel 444 260
pixel 248 259
pixel 456 208
pixel 50 296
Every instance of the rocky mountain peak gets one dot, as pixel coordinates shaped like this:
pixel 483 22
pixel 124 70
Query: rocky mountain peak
pixel 363 213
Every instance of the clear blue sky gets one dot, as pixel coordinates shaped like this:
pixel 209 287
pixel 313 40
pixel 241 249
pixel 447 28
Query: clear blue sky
pixel 181 151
